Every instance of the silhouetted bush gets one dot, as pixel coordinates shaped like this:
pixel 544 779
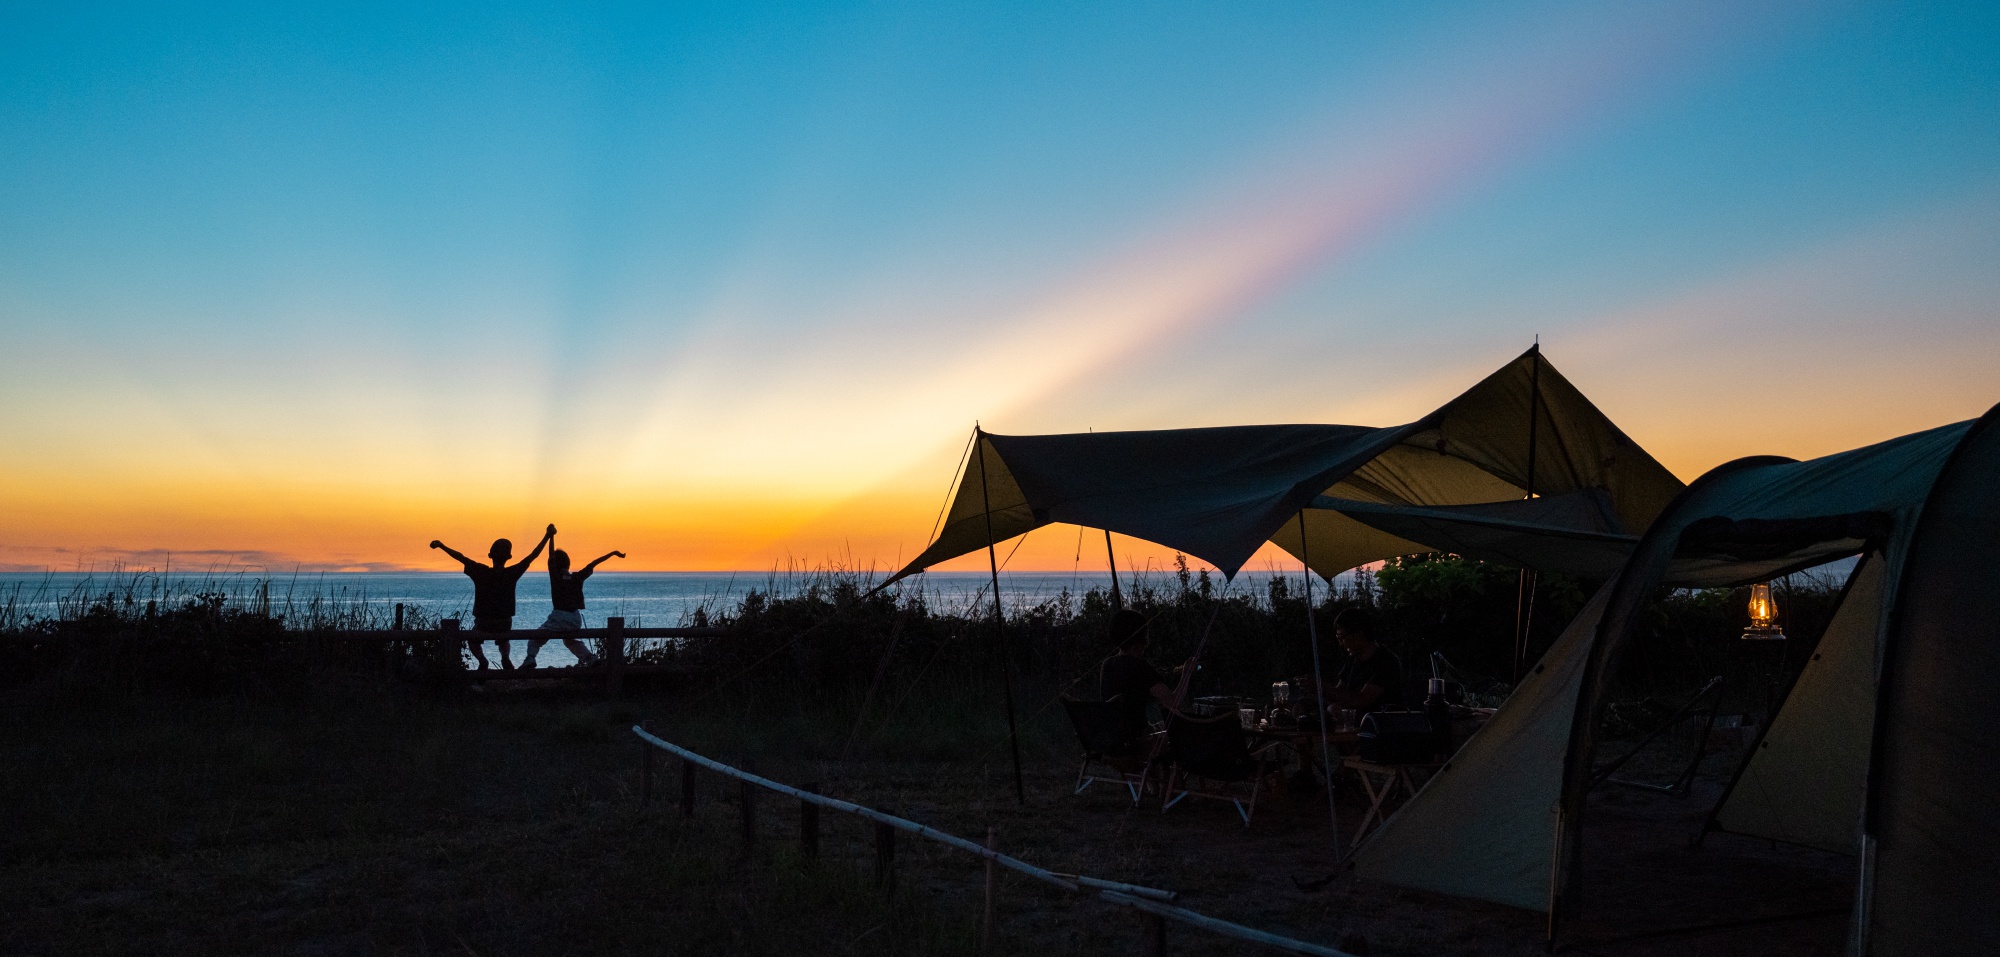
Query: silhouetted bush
pixel 830 635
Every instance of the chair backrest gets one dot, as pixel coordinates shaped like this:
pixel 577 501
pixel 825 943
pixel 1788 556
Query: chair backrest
pixel 1102 727
pixel 1211 747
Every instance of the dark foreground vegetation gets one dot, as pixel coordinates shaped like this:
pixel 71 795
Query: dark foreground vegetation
pixel 828 639
pixel 197 780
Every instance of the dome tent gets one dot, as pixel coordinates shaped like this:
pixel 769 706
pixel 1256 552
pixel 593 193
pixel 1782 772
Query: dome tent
pixel 1882 747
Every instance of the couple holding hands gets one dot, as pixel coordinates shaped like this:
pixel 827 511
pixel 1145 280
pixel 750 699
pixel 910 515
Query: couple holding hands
pixel 493 598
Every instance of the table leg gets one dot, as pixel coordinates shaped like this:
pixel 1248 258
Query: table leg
pixel 1376 795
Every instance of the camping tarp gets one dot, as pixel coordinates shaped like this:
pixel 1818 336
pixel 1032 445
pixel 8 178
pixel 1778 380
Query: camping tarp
pixel 1576 533
pixel 1491 809
pixel 1477 448
pixel 1212 493
pixel 1218 494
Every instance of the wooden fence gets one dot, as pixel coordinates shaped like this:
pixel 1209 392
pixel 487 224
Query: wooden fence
pixel 614 634
pixel 1157 904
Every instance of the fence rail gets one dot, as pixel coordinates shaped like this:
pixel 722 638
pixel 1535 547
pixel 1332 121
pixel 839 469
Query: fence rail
pixel 518 634
pixel 1153 901
pixel 613 635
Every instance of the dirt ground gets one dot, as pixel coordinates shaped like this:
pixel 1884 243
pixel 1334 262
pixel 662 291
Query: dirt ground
pixel 1647 891
pixel 376 824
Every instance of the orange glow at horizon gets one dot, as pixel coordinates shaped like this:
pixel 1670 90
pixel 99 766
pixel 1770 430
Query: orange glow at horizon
pixel 775 408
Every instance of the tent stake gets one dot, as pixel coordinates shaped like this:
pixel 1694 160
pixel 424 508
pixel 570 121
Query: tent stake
pixel 1319 689
pixel 1000 623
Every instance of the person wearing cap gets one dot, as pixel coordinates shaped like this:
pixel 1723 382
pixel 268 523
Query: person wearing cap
pixel 1372 679
pixel 1127 677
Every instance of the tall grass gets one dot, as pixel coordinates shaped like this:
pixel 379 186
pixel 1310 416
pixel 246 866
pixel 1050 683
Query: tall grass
pixel 124 632
pixel 828 635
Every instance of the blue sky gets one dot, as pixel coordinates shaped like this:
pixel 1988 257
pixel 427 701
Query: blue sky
pixel 306 283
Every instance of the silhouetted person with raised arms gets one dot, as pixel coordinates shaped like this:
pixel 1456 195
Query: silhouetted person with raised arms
pixel 493 591
pixel 566 593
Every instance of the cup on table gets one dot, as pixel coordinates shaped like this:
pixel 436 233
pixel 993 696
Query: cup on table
pixel 1348 717
pixel 1247 717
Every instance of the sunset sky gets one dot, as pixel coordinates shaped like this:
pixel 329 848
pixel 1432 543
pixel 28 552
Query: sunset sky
pixel 727 286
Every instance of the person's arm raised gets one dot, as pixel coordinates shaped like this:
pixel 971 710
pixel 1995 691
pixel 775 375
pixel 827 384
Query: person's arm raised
pixel 453 552
pixel 547 537
pixel 601 559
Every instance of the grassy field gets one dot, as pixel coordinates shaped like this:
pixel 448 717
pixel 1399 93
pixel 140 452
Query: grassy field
pixel 377 820
pixel 184 783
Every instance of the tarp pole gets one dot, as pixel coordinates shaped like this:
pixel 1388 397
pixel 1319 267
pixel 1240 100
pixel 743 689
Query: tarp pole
pixel 1000 623
pixel 1319 689
pixel 1524 599
pixel 1111 557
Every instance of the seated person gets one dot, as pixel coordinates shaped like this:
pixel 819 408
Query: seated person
pixel 1127 677
pixel 1372 679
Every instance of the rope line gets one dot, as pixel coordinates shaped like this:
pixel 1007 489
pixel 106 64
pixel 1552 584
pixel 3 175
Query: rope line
pixel 881 673
pixel 889 715
pixel 1149 899
pixel 962 453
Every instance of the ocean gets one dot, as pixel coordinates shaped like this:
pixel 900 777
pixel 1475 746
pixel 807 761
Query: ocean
pixel 644 599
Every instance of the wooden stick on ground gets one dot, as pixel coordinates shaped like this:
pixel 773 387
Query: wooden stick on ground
pixel 992 891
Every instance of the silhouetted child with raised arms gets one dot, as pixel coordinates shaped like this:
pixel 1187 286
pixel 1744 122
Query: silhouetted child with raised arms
pixel 566 592
pixel 493 592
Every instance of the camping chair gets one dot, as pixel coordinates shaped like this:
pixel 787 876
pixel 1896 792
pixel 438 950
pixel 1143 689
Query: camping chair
pixel 1685 733
pixel 1109 737
pixel 1216 752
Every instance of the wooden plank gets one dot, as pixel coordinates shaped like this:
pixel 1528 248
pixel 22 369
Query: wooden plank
pixel 885 856
pixel 645 772
pixel 614 654
pixel 748 805
pixel 849 807
pixel 992 892
pixel 808 824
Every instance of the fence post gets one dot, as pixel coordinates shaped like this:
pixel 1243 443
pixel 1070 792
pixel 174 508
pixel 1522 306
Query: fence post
pixel 687 786
pixel 885 857
pixel 992 891
pixel 809 825
pixel 646 768
pixel 449 626
pixel 614 655
pixel 399 615
pixel 749 810
pixel 1156 936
